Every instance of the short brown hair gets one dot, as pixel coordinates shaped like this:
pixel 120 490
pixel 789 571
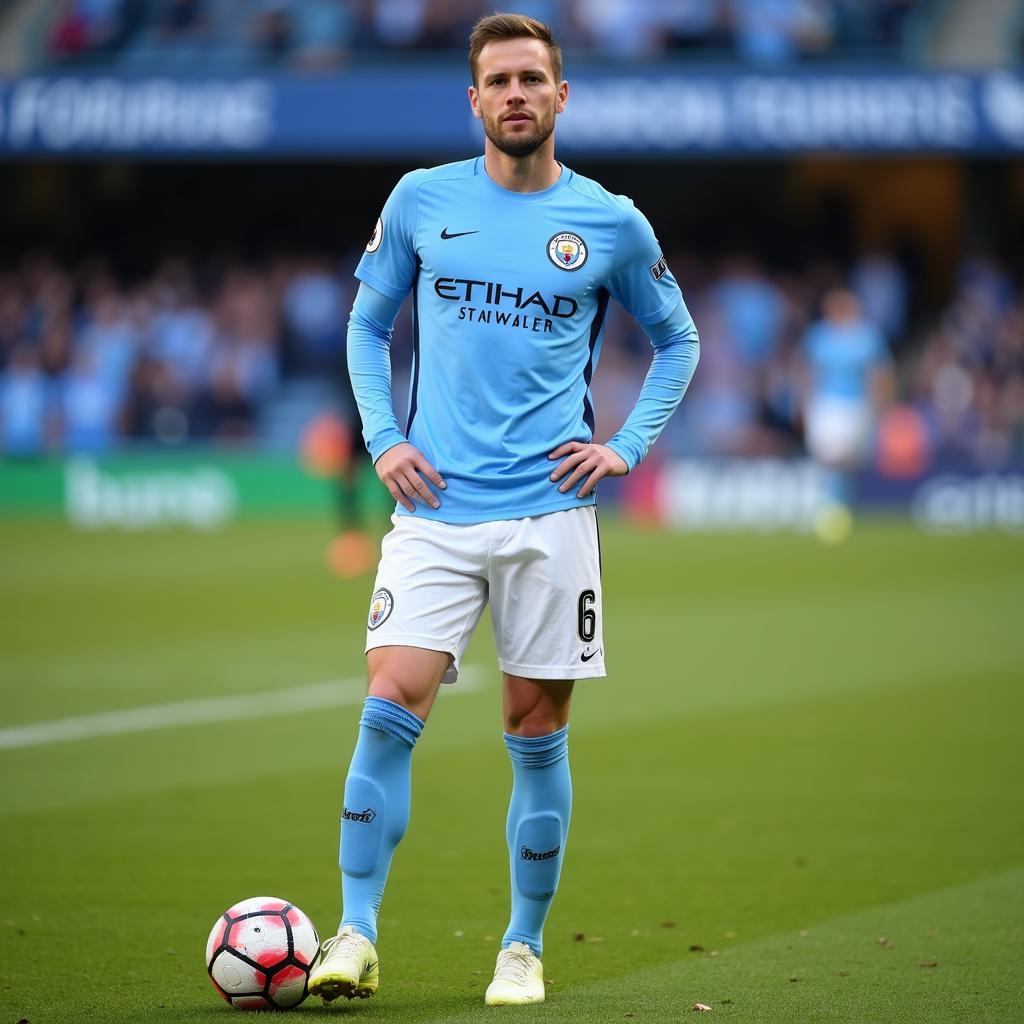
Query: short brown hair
pixel 512 26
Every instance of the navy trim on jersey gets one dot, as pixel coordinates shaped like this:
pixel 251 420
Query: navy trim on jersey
pixel 595 331
pixel 415 346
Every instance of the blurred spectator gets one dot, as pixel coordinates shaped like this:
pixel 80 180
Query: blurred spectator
pixel 47 295
pixel 90 27
pixel 158 407
pixel 694 24
pixel 69 32
pixel 772 31
pixel 315 318
pixel 111 343
pixel 881 287
pixel 180 329
pixel 624 29
pixel 242 370
pixel 182 21
pixel 90 407
pixel 723 402
pixel 24 404
pixel 274 31
pixel 887 19
pixel 323 31
pixel 12 316
pixel 447 24
pixel 55 347
pixel 399 24
pixel 752 309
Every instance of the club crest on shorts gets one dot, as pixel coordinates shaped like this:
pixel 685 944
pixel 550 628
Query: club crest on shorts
pixel 377 237
pixel 380 608
pixel 567 251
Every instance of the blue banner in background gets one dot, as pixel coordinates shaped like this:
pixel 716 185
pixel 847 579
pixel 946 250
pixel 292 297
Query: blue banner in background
pixel 406 110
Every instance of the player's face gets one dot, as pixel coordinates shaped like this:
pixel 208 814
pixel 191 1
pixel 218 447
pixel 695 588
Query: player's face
pixel 516 95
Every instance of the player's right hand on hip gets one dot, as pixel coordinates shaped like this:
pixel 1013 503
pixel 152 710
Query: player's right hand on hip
pixel 402 470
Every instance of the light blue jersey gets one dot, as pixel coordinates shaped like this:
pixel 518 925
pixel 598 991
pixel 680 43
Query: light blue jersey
pixel 510 295
pixel 843 358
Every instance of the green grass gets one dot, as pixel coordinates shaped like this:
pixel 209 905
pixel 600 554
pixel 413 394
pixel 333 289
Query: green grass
pixel 799 751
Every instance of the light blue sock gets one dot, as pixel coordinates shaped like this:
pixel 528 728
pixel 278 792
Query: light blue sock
pixel 376 813
pixel 839 487
pixel 536 830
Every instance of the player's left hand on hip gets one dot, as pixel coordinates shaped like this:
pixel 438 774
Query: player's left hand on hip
pixel 580 460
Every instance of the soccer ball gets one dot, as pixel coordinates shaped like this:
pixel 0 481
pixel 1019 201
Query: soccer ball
pixel 260 952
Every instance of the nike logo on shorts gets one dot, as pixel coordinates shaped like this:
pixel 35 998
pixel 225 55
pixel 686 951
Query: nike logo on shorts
pixel 586 657
pixel 457 234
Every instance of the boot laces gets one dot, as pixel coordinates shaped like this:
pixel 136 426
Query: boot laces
pixel 514 965
pixel 345 943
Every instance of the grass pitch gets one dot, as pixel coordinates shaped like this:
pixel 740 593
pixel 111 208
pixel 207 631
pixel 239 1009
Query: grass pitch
pixel 797 795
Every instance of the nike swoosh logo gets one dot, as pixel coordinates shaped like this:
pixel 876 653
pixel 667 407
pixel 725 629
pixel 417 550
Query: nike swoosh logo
pixel 587 657
pixel 458 234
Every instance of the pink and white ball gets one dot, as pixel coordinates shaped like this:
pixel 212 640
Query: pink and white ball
pixel 260 952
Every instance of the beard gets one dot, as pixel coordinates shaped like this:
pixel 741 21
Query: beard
pixel 522 143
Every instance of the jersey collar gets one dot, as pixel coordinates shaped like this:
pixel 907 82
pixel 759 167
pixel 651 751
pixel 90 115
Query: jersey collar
pixel 523 197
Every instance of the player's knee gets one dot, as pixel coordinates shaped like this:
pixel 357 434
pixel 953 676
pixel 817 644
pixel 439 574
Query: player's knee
pixel 537 854
pixel 407 677
pixel 407 693
pixel 387 688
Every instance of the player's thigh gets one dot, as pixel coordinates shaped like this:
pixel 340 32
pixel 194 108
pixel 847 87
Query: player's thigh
pixel 430 589
pixel 410 676
pixel 535 707
pixel 545 591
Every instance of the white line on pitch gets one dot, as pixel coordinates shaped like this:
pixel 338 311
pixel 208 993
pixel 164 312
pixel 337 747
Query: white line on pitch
pixel 293 700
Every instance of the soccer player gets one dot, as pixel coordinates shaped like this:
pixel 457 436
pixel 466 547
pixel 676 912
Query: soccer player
pixel 512 259
pixel 848 376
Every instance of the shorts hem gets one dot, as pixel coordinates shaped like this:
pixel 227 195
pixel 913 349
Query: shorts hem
pixel 426 643
pixel 591 671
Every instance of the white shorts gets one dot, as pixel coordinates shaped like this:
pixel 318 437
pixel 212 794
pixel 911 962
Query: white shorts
pixel 542 576
pixel 839 430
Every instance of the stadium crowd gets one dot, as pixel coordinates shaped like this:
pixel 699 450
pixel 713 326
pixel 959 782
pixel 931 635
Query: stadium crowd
pixel 195 351
pixel 324 34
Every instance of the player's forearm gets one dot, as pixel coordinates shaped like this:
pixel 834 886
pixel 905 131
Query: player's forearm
pixel 663 389
pixel 369 368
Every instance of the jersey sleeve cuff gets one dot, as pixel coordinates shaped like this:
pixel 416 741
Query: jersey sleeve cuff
pixel 382 286
pixel 663 312
pixel 391 440
pixel 620 448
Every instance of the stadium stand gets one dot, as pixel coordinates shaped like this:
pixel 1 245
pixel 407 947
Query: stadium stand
pixel 324 34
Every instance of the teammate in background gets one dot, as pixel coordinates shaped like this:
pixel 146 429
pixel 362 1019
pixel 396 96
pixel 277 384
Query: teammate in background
pixel 848 379
pixel 512 259
pixel 352 551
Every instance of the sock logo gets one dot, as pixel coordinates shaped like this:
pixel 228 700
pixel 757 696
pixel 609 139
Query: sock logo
pixel 527 854
pixel 364 816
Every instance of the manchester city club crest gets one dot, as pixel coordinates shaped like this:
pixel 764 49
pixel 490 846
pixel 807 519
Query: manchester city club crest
pixel 567 251
pixel 380 607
